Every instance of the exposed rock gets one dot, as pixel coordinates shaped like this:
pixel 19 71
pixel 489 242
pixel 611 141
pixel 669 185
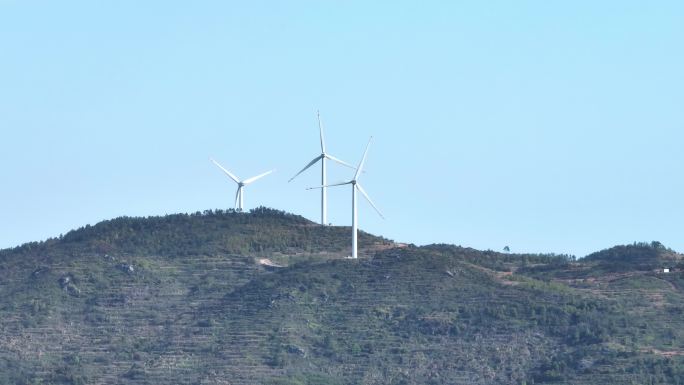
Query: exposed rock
pixel 126 268
pixel 64 281
pixel 585 363
pixel 38 271
pixel 294 349
pixel 67 284
pixel 268 263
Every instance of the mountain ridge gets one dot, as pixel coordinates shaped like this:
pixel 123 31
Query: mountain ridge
pixel 184 299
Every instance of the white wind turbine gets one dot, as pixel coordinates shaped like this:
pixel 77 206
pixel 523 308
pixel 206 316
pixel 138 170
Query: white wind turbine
pixel 240 194
pixel 323 157
pixel 356 186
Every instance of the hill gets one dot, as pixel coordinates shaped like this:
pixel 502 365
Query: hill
pixel 188 299
pixel 638 256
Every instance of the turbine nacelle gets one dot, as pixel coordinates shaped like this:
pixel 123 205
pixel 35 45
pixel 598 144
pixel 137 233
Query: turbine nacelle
pixel 322 157
pixel 356 186
pixel 239 194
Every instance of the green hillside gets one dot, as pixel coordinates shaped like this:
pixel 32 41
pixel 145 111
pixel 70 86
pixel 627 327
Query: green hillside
pixel 199 299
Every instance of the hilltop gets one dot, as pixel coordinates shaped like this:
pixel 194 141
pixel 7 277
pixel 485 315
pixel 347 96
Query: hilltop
pixel 188 299
pixel 638 256
pixel 261 232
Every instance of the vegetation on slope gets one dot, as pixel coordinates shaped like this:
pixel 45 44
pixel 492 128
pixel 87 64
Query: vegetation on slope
pixel 183 299
pixel 638 256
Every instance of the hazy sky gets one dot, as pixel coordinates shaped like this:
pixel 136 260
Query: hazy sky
pixel 546 126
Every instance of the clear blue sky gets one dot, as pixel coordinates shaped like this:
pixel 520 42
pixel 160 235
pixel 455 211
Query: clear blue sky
pixel 547 126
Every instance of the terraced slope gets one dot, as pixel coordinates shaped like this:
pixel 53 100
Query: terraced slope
pixel 187 299
pixel 103 302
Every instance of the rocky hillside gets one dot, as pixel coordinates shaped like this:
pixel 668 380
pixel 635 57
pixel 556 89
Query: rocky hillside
pixel 201 299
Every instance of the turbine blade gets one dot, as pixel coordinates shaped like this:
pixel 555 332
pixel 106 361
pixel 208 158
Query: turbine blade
pixel 316 159
pixel 320 128
pixel 339 161
pixel 237 197
pixel 233 177
pixel 363 160
pixel 365 195
pixel 252 179
pixel 329 185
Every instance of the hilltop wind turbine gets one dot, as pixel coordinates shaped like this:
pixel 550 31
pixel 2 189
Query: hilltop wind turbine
pixel 240 194
pixel 323 157
pixel 356 186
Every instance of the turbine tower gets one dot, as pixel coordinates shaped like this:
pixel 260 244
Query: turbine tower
pixel 240 194
pixel 356 186
pixel 323 157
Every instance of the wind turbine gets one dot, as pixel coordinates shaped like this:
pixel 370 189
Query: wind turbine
pixel 323 157
pixel 240 194
pixel 356 186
